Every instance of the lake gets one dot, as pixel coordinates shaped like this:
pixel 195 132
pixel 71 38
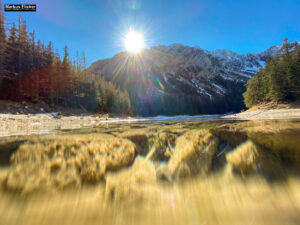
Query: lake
pixel 183 170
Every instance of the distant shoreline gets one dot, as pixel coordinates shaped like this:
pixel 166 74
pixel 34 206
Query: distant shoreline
pixel 269 111
pixel 262 114
pixel 29 119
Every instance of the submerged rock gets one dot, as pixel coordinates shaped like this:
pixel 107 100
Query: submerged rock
pixel 193 154
pixel 249 157
pixel 64 161
pixel 133 184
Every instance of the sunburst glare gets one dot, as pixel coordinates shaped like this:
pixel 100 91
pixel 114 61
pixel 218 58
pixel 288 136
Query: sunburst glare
pixel 134 42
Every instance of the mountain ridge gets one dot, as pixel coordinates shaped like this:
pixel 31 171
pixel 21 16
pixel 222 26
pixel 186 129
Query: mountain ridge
pixel 177 69
pixel 222 54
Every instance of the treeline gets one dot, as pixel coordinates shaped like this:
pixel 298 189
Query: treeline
pixel 279 80
pixel 188 103
pixel 33 71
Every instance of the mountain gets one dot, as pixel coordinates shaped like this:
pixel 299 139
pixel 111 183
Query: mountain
pixel 163 78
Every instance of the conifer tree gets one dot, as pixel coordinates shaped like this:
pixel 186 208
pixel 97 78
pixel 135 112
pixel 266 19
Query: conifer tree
pixel 279 80
pixel 11 59
pixel 2 43
pixel 34 72
pixel 24 48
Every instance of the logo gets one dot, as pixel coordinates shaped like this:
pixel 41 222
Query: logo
pixel 19 7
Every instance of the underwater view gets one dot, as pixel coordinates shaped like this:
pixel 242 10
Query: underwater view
pixel 160 172
pixel 157 112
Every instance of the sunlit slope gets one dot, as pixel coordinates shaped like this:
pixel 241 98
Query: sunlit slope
pixel 208 78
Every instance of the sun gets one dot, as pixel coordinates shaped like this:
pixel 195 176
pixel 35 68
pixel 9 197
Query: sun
pixel 134 42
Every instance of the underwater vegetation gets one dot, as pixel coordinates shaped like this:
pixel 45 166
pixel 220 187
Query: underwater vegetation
pixel 134 167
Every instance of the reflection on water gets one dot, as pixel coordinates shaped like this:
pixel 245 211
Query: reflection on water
pixel 207 172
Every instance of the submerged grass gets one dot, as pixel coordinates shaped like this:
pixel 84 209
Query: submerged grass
pixel 128 174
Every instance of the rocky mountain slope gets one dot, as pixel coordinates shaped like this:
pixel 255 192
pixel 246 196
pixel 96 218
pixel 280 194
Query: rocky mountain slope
pixel 177 70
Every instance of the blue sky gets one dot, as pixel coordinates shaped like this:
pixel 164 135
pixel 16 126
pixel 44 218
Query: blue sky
pixel 97 27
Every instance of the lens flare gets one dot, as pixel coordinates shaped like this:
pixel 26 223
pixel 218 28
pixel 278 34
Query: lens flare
pixel 134 42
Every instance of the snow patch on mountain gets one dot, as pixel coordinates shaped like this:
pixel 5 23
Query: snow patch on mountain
pixel 187 70
pixel 220 90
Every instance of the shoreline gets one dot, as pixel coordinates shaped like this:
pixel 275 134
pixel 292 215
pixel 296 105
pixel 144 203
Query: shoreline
pixel 43 124
pixel 50 123
pixel 263 114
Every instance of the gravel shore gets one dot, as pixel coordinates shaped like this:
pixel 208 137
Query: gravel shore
pixel 42 124
pixel 45 124
pixel 272 114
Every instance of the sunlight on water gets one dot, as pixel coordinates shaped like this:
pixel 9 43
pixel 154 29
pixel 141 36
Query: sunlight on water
pixel 207 172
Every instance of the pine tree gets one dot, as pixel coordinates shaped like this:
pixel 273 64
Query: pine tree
pixel 289 60
pixel 49 54
pixel 83 61
pixel 279 80
pixel 66 56
pixel 295 73
pixel 2 43
pixel 11 59
pixel 34 72
pixel 253 94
